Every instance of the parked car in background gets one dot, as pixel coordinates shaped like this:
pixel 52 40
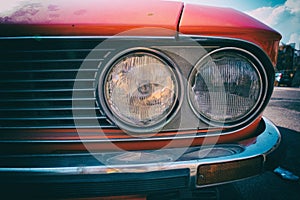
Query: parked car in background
pixel 131 99
pixel 284 77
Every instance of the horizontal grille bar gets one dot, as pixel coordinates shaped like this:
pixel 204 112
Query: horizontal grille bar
pixel 49 118
pixel 45 90
pixel 45 61
pixel 71 65
pixel 11 108
pixel 46 99
pixel 44 80
pixel 47 70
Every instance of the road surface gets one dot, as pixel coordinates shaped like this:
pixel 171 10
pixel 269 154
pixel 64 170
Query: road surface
pixel 284 111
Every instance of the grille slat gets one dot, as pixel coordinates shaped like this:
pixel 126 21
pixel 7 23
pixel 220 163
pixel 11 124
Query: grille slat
pixel 44 80
pixel 45 90
pixel 50 118
pixel 46 99
pixel 14 109
pixel 37 83
pixel 48 61
pixel 47 70
pixel 50 55
pixel 44 94
pixel 74 65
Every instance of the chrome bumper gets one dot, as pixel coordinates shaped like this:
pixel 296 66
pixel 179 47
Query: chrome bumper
pixel 185 169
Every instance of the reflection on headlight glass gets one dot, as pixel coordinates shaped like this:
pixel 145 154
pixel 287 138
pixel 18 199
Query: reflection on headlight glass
pixel 141 89
pixel 225 88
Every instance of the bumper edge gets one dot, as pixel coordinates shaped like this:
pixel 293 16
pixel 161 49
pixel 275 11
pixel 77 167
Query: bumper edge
pixel 102 180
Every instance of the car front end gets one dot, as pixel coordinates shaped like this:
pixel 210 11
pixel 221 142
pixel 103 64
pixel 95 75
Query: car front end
pixel 168 97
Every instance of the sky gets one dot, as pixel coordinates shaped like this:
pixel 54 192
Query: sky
pixel 281 15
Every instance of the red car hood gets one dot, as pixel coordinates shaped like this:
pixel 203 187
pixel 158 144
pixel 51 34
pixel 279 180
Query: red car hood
pixel 227 22
pixel 88 17
pixel 110 17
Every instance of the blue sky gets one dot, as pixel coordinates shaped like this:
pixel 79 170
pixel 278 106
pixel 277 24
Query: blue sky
pixel 243 5
pixel 281 15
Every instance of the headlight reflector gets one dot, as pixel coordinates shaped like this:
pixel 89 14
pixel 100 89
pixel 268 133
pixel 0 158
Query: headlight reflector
pixel 141 89
pixel 225 87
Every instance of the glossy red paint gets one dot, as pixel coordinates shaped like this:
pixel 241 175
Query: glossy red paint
pixel 227 22
pixel 110 17
pixel 89 17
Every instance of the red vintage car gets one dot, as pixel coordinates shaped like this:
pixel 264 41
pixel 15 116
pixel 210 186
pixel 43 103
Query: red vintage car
pixel 126 99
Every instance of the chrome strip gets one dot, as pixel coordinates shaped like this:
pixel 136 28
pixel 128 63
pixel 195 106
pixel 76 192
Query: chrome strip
pixel 265 143
pixel 117 119
pixel 262 96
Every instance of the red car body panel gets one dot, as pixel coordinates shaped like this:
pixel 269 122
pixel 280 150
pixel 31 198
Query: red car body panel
pixel 110 17
pixel 115 16
pixel 226 22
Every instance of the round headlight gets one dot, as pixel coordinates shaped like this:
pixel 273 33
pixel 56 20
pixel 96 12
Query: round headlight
pixel 225 87
pixel 140 89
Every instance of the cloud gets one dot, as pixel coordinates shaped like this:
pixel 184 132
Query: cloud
pixel 284 18
pixel 294 38
pixel 294 5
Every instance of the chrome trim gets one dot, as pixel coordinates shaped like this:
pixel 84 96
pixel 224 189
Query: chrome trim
pixel 50 118
pixel 47 90
pixel 102 79
pixel 265 143
pixel 263 87
pixel 50 61
pixel 47 99
pixel 48 70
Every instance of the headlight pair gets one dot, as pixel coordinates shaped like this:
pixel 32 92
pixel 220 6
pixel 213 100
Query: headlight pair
pixel 141 90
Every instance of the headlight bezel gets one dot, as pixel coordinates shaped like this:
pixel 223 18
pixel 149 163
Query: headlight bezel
pixel 129 127
pixel 262 75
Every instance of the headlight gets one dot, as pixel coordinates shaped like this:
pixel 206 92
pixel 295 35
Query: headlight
pixel 226 87
pixel 140 90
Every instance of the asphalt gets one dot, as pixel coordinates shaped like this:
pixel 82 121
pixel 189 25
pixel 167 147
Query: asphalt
pixel 284 111
pixel 270 185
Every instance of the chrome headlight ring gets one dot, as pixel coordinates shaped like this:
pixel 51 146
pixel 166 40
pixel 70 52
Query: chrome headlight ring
pixel 227 87
pixel 140 90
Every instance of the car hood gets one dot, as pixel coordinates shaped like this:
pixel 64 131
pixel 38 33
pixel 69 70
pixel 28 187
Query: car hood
pixel 111 17
pixel 229 23
pixel 87 17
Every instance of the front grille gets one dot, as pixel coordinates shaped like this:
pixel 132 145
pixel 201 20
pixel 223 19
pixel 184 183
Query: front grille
pixel 37 78
pixel 55 186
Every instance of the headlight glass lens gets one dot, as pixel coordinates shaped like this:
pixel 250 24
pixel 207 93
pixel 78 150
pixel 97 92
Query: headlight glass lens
pixel 224 87
pixel 141 89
